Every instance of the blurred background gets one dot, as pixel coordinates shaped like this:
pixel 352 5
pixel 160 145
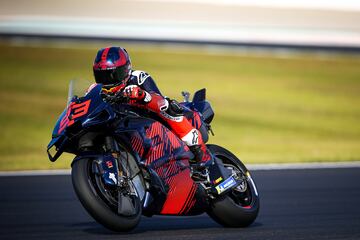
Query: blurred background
pixel 283 76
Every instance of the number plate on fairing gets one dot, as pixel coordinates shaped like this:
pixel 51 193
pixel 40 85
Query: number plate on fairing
pixel 225 185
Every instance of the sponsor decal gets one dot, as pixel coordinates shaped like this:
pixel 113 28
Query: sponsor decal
pixel 147 97
pixel 141 76
pixel 109 164
pixel 195 139
pixel 176 119
pixel 228 183
pixel 191 138
pixel 218 180
pixel 112 177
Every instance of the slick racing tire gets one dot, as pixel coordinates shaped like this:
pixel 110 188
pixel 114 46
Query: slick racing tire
pixel 236 209
pixel 95 203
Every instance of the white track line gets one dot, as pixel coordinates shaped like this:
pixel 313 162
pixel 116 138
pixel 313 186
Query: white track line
pixel 34 173
pixel 272 166
pixel 315 165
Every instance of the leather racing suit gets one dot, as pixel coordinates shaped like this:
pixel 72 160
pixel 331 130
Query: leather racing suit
pixel 167 110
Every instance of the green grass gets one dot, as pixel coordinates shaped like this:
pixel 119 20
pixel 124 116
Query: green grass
pixel 299 108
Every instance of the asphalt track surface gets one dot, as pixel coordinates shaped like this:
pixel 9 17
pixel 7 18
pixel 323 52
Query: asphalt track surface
pixel 295 204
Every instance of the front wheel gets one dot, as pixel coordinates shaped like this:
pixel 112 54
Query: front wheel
pixel 102 203
pixel 240 207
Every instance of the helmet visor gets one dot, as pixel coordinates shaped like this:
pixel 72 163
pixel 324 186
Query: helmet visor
pixel 112 76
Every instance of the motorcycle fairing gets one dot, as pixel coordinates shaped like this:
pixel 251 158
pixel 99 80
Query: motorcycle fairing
pixel 164 153
pixel 56 146
pixel 85 111
pixel 77 110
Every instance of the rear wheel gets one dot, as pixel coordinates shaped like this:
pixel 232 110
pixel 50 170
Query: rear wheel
pixel 102 202
pixel 240 207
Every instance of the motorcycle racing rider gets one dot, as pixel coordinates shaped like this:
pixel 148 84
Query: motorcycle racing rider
pixel 112 68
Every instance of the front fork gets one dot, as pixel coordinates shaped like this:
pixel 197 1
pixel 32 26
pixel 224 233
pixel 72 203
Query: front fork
pixel 123 183
pixel 107 166
pixel 113 172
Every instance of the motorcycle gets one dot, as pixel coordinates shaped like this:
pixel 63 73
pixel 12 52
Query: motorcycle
pixel 128 163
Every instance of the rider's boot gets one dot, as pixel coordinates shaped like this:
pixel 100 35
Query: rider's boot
pixel 200 163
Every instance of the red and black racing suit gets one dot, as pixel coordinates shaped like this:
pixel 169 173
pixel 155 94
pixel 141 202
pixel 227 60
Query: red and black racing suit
pixel 163 107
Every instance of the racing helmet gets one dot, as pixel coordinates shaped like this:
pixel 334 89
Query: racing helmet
pixel 112 66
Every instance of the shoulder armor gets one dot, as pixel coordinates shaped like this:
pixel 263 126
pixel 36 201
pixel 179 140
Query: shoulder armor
pixel 141 76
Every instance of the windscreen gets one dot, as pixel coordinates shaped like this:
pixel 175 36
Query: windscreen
pixel 78 87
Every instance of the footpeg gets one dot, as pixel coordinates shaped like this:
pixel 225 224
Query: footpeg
pixel 199 175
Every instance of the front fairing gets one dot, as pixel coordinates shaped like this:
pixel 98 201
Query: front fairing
pixel 56 147
pixel 79 110
pixel 80 114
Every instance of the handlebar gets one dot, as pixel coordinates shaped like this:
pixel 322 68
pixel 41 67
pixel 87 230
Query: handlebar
pixel 119 97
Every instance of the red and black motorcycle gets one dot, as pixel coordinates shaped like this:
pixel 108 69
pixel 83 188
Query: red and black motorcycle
pixel 128 163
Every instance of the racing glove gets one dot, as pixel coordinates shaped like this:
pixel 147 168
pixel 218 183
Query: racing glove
pixel 134 92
